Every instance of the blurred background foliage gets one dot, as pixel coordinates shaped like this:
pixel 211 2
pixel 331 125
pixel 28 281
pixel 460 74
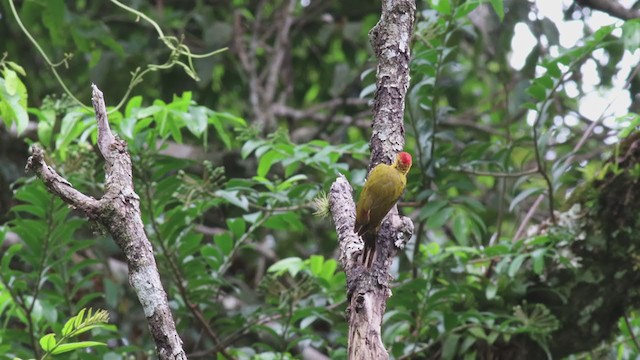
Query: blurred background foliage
pixel 231 149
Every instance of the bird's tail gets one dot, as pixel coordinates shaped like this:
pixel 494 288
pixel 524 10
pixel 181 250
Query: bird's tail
pixel 369 251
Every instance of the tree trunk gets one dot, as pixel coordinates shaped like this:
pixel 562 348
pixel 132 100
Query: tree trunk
pixel 368 289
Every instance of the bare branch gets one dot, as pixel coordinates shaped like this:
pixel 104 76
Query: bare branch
pixel 281 48
pixel 59 186
pixel 343 211
pixel 119 212
pixel 105 137
pixel 611 7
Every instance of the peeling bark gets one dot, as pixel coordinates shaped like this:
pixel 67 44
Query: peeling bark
pixel 119 212
pixel 390 40
pixel 368 289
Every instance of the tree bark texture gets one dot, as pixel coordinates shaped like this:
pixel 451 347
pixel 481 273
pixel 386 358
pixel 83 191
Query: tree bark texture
pixel 119 211
pixel 368 289
pixel 390 39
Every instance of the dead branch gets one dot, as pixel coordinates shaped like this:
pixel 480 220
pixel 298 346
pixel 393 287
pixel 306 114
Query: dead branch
pixel 119 211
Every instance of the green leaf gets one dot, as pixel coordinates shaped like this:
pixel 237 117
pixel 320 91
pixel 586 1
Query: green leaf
pixel 249 146
pixel 523 195
pixel 11 82
pixel 224 243
pixel 212 256
pixel 516 264
pixel 86 328
pixel 220 130
pixel 537 91
pixel 538 260
pixel 493 336
pixel 634 122
pixel 290 182
pixel 329 269
pixel 442 6
pixel 498 7
pixel 631 34
pixel 17 68
pixel 53 18
pixel 233 197
pixel 161 118
pixel 293 265
pixel 231 119
pixel 48 342
pixel 13 108
pixel 496 250
pixel 439 218
pixel 315 264
pixel 307 321
pixel 460 227
pixel 450 346
pixel 76 345
pixel 477 332
pixel 539 240
pixel 68 326
pixel 432 207
pixel 431 249
pixel 553 69
pixel 289 221
pixel 461 11
pixel 149 111
pixel 133 103
pixel 79 318
pixel 73 124
pixel 237 226
pixel 267 160
pixel 545 81
pixel 490 291
pixel 175 124
pixel 7 256
pixel 46 120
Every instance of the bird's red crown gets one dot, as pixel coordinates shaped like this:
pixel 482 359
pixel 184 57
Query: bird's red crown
pixel 404 158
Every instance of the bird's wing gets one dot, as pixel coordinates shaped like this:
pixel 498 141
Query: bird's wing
pixel 391 189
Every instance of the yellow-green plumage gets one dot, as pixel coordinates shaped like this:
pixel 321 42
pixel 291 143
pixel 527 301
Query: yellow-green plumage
pixel 381 191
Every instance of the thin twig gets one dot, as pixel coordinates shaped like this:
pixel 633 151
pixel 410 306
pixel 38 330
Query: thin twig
pixel 236 246
pixel 51 65
pixel 527 218
pixel 541 167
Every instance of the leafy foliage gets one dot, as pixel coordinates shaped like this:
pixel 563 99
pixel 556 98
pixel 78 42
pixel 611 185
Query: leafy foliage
pixel 249 272
pixel 13 95
pixel 74 327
